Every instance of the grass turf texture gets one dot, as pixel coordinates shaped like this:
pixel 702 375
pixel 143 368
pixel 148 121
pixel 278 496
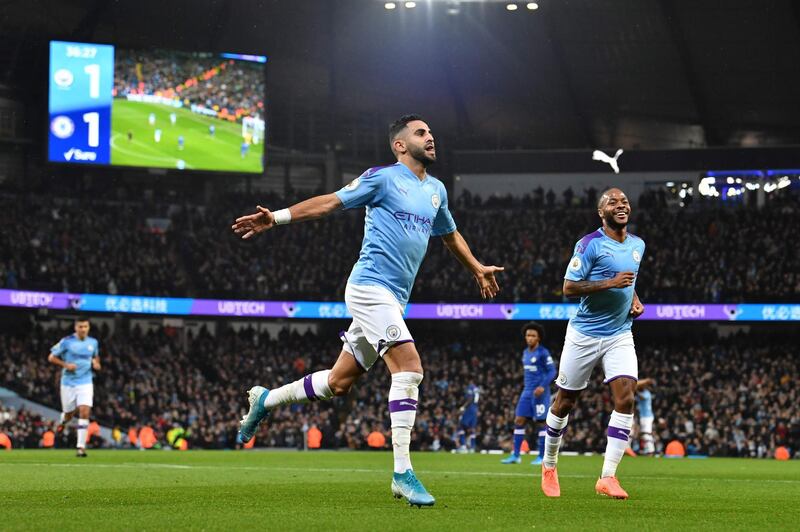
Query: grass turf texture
pixel 157 490
pixel 201 151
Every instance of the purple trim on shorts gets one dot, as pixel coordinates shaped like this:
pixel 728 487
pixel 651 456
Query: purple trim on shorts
pixel 554 433
pixel 612 379
pixel 309 388
pixel 401 405
pixel 393 344
pixel 618 433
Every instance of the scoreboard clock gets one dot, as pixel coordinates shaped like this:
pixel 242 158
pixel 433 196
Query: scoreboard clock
pixel 81 83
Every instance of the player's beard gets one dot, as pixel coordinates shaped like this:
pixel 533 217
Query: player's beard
pixel 421 155
pixel 613 223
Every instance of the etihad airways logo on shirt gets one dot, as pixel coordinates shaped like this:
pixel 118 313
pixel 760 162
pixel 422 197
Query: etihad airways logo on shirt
pixel 411 217
pixel 414 222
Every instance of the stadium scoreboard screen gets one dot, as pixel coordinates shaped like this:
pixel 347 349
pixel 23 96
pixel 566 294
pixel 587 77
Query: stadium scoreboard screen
pixel 156 108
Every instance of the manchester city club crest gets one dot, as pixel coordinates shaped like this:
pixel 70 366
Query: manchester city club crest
pixel 636 256
pixel 393 332
pixel 435 201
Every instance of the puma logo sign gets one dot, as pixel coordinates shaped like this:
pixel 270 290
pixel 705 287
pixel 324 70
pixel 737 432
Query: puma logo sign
pixel 597 155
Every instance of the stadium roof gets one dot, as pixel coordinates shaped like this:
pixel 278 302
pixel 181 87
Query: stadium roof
pixel 572 74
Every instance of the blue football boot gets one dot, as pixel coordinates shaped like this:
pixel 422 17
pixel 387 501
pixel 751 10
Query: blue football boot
pixel 257 412
pixel 407 485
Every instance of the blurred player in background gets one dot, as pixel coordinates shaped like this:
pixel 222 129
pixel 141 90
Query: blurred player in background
pixel 405 206
pixel 173 118
pixel 603 273
pixel 644 405
pixel 180 142
pixel 212 129
pixel 539 371
pixel 77 355
pixel 157 135
pixel 469 418
pixel 151 119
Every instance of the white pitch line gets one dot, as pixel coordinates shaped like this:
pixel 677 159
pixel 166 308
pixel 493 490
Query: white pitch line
pixel 132 465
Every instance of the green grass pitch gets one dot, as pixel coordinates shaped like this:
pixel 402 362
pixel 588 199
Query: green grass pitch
pixel 222 152
pixel 227 490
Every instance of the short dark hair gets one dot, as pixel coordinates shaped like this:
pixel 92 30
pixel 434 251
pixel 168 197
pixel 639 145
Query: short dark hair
pixel 399 125
pixel 604 193
pixel 601 196
pixel 536 327
pixel 81 318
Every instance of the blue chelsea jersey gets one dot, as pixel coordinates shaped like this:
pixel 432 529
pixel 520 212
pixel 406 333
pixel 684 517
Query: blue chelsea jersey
pixel 472 395
pixel 539 368
pixel 402 212
pixel 599 257
pixel 79 352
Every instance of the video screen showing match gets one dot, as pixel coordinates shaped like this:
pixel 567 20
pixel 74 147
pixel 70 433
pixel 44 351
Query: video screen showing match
pixel 161 109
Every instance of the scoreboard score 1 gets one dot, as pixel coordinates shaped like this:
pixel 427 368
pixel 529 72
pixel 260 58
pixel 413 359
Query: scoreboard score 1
pixel 81 84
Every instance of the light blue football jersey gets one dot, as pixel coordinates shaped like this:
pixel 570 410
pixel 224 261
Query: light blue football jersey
pixel 402 212
pixel 644 403
pixel 80 352
pixel 599 257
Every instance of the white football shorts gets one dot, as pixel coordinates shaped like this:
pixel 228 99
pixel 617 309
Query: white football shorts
pixel 646 425
pixel 377 323
pixel 74 396
pixel 582 353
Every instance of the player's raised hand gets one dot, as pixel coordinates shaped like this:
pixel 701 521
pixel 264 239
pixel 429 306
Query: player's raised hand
pixel 487 281
pixel 253 224
pixel 622 280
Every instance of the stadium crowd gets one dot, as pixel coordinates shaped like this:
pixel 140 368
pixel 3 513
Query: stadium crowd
pixel 734 396
pixel 701 253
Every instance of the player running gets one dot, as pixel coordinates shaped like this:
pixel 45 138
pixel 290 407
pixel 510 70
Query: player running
pixel 469 418
pixel 602 272
pixel 539 370
pixel 404 207
pixel 78 354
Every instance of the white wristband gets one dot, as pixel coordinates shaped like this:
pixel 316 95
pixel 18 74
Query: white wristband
pixel 282 217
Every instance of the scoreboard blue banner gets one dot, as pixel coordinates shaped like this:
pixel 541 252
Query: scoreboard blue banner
pixel 81 83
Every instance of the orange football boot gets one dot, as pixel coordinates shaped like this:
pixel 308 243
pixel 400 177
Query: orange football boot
pixel 610 486
pixel 550 485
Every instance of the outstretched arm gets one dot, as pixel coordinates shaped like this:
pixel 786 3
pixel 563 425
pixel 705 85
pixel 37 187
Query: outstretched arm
pixel 310 209
pixel 484 275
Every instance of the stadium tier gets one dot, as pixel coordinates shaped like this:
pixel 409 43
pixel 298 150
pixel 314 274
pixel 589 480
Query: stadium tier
pixel 721 396
pixel 694 255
